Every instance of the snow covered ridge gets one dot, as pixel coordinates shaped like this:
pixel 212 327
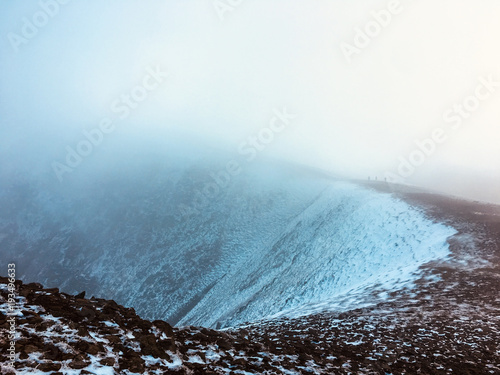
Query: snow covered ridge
pixel 274 242
pixel 347 240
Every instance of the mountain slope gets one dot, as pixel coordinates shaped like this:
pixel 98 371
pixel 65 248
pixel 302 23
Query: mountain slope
pixel 274 238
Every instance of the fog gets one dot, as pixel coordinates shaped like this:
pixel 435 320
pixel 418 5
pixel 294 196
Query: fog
pixel 399 90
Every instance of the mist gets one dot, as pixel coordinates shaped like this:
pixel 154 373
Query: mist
pixel 402 90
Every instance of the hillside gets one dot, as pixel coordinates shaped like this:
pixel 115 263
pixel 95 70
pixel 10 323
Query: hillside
pixel 447 322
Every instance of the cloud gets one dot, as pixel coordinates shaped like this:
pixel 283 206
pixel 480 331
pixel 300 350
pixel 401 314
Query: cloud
pixel 227 76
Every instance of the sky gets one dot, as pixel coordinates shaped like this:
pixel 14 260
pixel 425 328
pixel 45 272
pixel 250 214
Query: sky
pixel 400 90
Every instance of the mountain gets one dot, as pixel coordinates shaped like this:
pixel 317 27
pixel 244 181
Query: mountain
pixel 333 277
pixel 191 243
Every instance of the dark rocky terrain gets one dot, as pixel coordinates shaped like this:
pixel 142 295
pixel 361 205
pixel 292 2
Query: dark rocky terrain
pixel 448 323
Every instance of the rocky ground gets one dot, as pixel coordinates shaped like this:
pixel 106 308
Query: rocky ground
pixel 448 323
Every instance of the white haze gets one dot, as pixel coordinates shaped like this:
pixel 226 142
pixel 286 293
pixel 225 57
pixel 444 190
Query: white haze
pixel 225 78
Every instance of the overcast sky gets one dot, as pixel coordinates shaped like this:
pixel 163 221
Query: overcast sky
pixel 222 68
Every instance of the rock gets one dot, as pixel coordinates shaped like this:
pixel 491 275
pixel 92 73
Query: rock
pixel 86 312
pixel 113 339
pixel 110 307
pixel 33 286
pixel 78 364
pixel 23 355
pixel 80 295
pixel 49 366
pixel 52 352
pixel 81 345
pixel 131 361
pixel 109 361
pixel 240 361
pixel 31 349
pixel 164 327
pixel 167 345
pixel 35 319
pixel 148 345
pixel 94 349
pixel 82 331
pixel 66 356
pixel 223 344
pixel 44 325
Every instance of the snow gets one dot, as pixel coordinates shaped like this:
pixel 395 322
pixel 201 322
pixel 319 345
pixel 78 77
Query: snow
pixel 359 342
pixel 97 338
pixel 195 359
pixel 176 363
pixel 98 369
pixel 212 355
pixel 348 239
pixel 278 245
pixel 111 324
